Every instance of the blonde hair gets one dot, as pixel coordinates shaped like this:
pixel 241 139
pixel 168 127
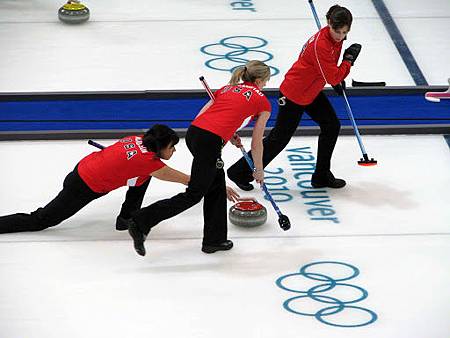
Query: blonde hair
pixel 252 71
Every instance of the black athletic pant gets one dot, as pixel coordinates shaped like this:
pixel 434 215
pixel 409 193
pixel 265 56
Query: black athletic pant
pixel 321 111
pixel 73 197
pixel 206 181
pixel 133 199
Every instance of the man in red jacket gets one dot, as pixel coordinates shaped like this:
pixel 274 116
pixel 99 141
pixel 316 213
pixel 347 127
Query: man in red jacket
pixel 301 91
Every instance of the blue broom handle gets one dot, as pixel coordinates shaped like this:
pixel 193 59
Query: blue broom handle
pixel 263 185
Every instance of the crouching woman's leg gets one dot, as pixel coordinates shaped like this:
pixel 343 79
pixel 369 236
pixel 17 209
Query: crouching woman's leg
pixel 206 148
pixel 74 196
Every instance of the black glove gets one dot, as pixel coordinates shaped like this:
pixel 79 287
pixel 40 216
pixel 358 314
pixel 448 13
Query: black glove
pixel 339 88
pixel 352 52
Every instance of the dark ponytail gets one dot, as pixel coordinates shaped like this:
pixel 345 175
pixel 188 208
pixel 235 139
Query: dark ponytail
pixel 339 17
pixel 159 137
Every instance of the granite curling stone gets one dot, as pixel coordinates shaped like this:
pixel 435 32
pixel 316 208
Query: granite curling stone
pixel 73 12
pixel 248 213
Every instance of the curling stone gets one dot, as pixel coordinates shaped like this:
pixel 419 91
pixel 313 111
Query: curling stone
pixel 248 213
pixel 73 12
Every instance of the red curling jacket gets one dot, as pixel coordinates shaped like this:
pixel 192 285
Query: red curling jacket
pixel 315 67
pixel 126 162
pixel 233 108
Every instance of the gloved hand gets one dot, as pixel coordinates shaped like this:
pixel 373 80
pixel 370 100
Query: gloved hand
pixel 339 88
pixel 352 52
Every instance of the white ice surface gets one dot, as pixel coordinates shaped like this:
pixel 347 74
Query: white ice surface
pixel 155 45
pixel 83 279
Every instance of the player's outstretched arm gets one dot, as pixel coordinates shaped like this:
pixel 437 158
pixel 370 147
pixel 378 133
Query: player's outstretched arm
pixel 169 174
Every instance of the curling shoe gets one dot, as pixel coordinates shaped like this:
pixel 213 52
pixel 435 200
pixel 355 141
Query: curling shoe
pixel 327 181
pixel 224 246
pixel 121 223
pixel 242 185
pixel 245 186
pixel 138 237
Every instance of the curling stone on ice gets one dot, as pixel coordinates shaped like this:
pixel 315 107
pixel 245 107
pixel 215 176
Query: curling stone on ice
pixel 73 12
pixel 247 212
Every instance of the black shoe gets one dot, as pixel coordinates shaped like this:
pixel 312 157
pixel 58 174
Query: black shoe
pixel 242 185
pixel 138 237
pixel 121 223
pixel 327 181
pixel 245 186
pixel 227 245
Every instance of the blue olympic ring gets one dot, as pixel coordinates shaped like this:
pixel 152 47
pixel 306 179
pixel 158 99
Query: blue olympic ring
pixel 317 293
pixel 237 49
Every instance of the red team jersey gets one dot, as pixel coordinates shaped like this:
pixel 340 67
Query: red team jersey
pixel 126 162
pixel 233 108
pixel 315 67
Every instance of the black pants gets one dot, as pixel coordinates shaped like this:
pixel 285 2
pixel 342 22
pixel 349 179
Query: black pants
pixel 321 111
pixel 206 182
pixel 133 199
pixel 73 197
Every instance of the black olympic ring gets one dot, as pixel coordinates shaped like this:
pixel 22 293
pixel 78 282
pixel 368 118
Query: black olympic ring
pixel 238 48
pixel 331 283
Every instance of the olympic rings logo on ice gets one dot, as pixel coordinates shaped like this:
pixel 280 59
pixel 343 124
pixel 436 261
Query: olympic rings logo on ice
pixel 333 306
pixel 235 51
